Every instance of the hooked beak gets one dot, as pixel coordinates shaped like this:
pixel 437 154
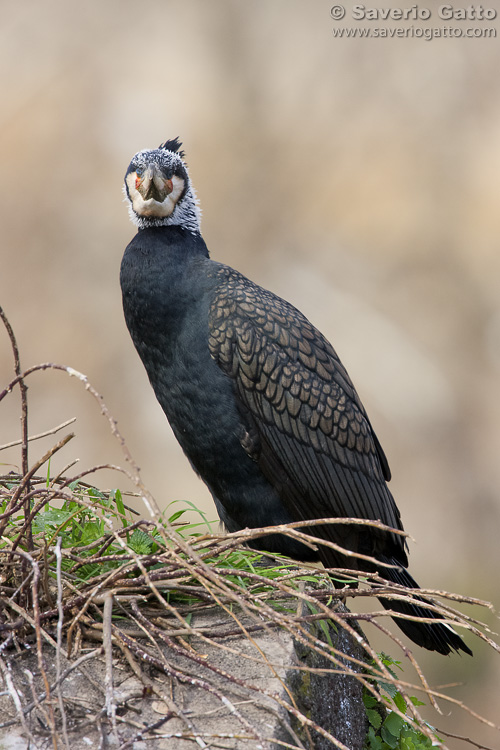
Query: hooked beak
pixel 153 184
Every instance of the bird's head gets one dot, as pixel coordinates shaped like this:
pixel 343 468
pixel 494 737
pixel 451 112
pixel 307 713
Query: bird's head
pixel 158 189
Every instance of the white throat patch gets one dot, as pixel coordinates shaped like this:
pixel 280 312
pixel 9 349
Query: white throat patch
pixel 152 208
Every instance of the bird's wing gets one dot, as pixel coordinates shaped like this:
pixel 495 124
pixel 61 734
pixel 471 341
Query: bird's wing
pixel 311 434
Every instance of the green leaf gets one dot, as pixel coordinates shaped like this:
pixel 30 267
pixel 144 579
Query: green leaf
pixel 116 496
pixel 391 729
pixel 97 494
pixel 190 506
pixel 178 513
pixel 400 702
pixel 373 741
pixel 389 688
pixel 51 518
pixel 416 701
pixel 389 739
pixel 394 723
pixel 374 718
pixel 91 531
pixel 388 661
pixel 326 631
pixel 140 542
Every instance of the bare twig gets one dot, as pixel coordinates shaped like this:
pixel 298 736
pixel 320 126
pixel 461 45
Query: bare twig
pixel 199 568
pixel 24 415
pixel 16 699
pixel 173 709
pixel 108 652
pixel 32 438
pixel 60 621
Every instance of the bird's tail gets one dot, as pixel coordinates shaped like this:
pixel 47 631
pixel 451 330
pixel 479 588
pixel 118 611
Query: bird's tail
pixel 433 636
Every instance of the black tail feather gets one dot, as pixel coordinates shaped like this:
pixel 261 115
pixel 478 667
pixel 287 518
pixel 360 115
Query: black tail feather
pixel 434 637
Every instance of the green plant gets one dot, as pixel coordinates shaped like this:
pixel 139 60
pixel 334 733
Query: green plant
pixel 388 730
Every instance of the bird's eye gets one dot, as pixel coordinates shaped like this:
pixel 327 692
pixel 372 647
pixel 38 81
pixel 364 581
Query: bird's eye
pixel 139 171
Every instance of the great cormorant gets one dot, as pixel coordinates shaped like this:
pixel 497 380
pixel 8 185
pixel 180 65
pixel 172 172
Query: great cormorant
pixel 256 396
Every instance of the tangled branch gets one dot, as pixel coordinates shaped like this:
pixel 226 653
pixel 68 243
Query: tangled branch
pixel 78 568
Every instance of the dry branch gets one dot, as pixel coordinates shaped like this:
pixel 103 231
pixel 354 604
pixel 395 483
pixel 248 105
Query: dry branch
pixel 152 606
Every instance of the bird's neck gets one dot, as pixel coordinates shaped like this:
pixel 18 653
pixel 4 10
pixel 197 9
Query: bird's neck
pixel 162 280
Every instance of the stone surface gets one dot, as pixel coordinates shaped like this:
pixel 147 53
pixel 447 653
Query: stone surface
pixel 334 701
pixel 246 714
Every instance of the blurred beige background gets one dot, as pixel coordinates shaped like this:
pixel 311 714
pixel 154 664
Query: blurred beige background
pixel 357 178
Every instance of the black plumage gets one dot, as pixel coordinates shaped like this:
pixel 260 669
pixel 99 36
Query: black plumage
pixel 256 396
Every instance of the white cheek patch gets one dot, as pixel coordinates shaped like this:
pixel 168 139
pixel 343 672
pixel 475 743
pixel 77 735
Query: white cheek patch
pixel 152 208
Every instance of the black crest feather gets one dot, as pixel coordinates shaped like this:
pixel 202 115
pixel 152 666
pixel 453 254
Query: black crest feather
pixel 173 145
